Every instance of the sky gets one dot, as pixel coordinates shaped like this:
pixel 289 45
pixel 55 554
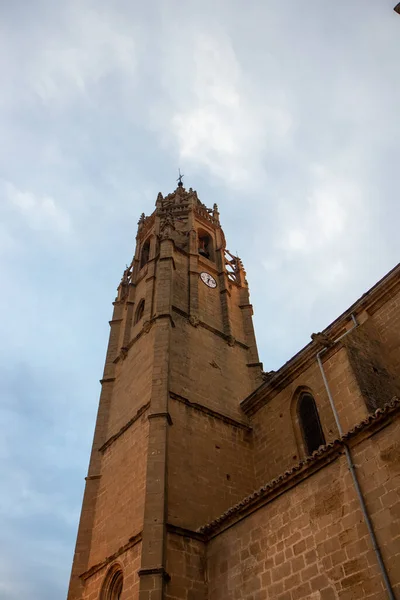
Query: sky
pixel 286 114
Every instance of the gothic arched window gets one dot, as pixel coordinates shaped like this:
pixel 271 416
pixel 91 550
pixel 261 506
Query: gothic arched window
pixel 112 587
pixel 145 254
pixel 139 312
pixel 205 246
pixel 313 435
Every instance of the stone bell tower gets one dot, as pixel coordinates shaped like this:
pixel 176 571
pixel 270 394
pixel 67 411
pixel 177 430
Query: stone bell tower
pixel 172 447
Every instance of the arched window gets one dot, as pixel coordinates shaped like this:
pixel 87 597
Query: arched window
pixel 145 254
pixel 205 245
pixel 139 312
pixel 112 587
pixel 313 435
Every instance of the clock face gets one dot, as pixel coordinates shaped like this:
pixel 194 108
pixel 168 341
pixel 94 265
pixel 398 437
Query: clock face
pixel 208 279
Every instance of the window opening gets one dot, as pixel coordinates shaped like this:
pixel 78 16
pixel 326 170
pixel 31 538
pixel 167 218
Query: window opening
pixel 310 424
pixel 144 257
pixel 139 312
pixel 112 589
pixel 205 245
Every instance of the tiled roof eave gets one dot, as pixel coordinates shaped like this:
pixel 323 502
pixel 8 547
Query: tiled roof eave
pixel 324 455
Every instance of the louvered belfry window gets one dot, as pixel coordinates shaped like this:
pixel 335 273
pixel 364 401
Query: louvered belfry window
pixel 310 424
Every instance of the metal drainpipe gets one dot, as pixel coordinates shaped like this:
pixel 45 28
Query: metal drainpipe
pixel 352 470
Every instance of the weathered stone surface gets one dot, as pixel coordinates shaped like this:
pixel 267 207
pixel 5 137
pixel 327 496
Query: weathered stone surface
pixel 199 485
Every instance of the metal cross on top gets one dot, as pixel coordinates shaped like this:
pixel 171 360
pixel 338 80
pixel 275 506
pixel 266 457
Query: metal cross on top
pixel 180 184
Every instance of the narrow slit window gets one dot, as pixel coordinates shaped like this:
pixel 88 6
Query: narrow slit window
pixel 310 424
pixel 145 254
pixel 139 312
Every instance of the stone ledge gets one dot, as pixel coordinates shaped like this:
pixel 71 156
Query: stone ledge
pixel 147 325
pixel 135 539
pixel 155 571
pixel 183 532
pixel 210 412
pixel 131 421
pixel 107 380
pixel 222 335
pixel 164 415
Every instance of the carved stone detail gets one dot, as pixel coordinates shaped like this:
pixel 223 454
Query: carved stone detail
pixel 146 326
pixel 194 321
pixel 322 339
pixel 167 226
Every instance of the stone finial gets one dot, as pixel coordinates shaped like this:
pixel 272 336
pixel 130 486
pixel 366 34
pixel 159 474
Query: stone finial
pixel 141 220
pixel 179 180
pixel 125 276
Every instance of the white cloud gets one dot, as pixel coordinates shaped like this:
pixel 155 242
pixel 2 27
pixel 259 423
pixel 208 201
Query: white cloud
pixel 320 216
pixel 94 45
pixel 218 118
pixel 63 57
pixel 39 212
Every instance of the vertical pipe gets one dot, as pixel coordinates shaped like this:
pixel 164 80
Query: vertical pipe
pixel 353 473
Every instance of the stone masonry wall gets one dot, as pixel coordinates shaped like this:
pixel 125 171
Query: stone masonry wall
pixel 181 282
pixel 277 432
pixel 132 387
pixel 362 374
pixel 130 564
pixel 387 323
pixel 186 567
pixel 120 501
pixel 210 466
pixel 209 298
pixel 372 365
pixel 311 542
pixel 206 370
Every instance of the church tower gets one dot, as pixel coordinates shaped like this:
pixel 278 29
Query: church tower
pixel 172 448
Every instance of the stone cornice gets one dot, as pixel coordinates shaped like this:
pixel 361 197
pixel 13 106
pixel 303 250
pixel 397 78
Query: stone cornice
pixel 131 421
pixel 182 531
pixel 131 542
pixel 155 571
pixel 161 415
pixel 370 302
pixel 147 325
pixel 304 469
pixel 228 338
pixel 114 321
pixel 168 258
pixel 211 413
pixel 107 380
